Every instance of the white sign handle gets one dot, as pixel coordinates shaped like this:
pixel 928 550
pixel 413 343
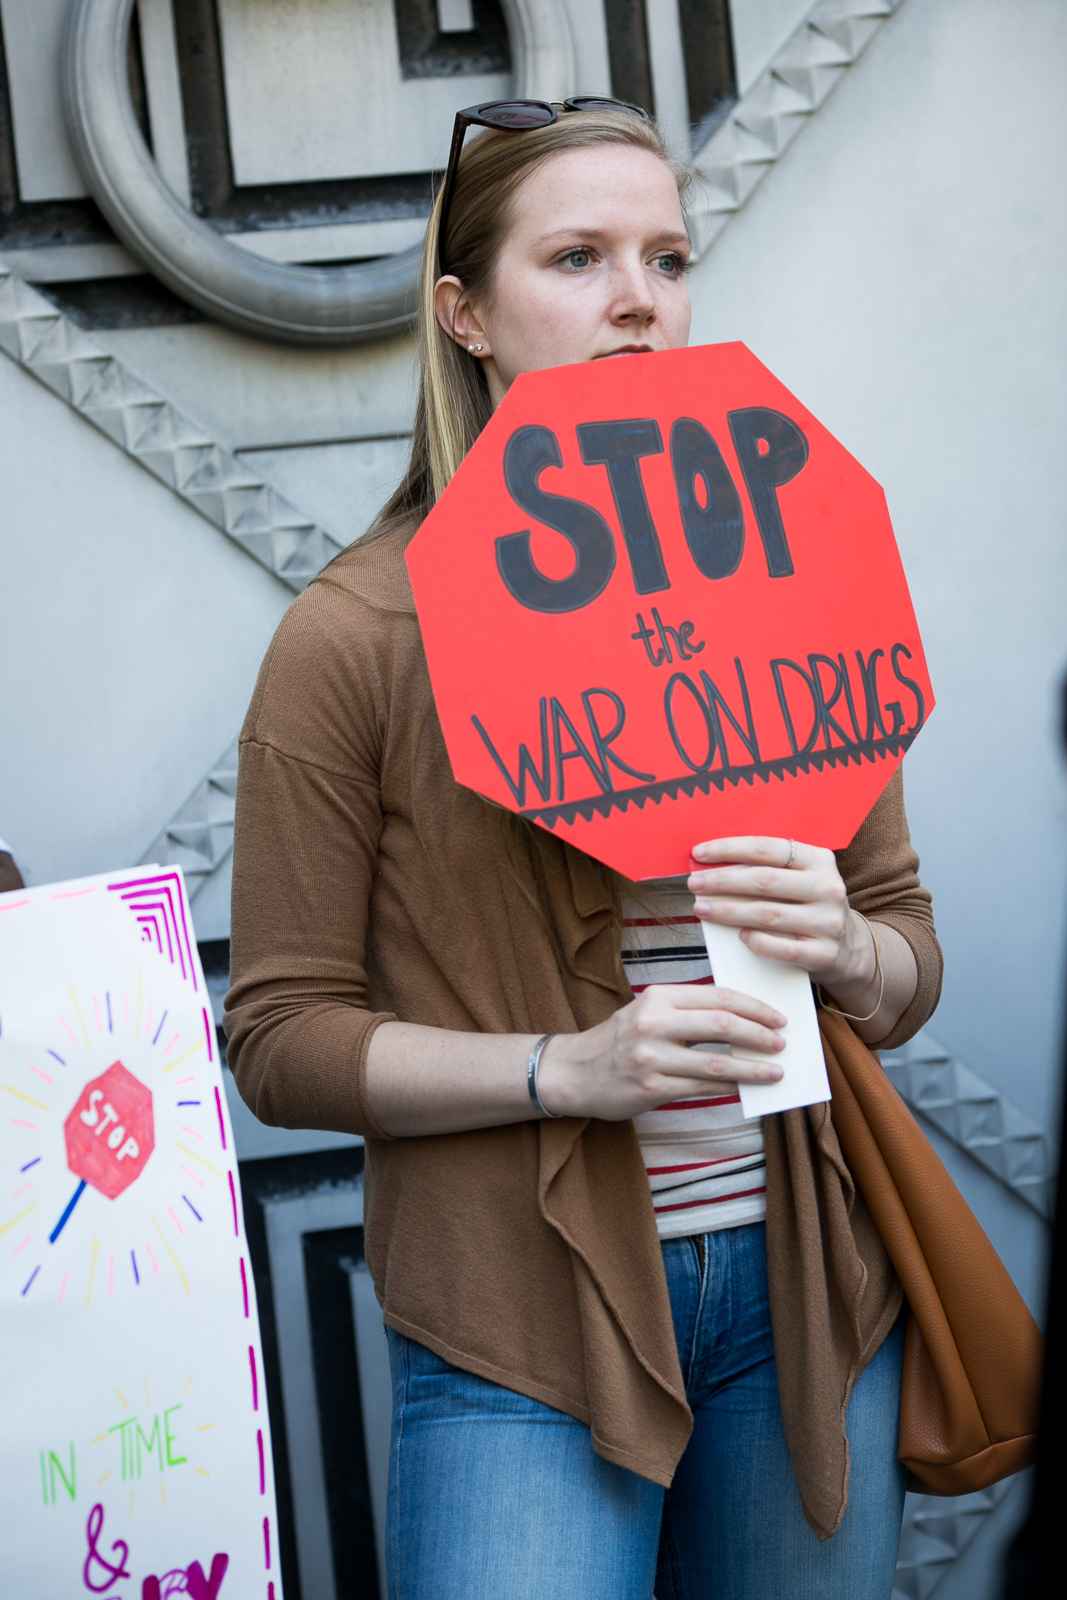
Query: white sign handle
pixel 788 989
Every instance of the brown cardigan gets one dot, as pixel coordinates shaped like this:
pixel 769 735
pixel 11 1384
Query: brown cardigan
pixel 367 886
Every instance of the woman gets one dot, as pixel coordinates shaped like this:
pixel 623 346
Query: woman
pixel 613 1369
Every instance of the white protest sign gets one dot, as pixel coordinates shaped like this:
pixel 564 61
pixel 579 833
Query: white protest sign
pixel 135 1454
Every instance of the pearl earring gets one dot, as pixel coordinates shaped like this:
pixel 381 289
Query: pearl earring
pixel 476 348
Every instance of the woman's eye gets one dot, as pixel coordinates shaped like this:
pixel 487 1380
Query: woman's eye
pixel 670 262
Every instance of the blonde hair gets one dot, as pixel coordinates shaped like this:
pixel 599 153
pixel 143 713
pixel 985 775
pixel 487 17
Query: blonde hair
pixel 453 403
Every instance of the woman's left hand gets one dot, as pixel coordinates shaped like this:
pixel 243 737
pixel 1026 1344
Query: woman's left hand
pixel 789 901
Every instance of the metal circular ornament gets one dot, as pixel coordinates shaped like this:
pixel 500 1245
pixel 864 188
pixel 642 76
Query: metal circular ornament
pixel 291 304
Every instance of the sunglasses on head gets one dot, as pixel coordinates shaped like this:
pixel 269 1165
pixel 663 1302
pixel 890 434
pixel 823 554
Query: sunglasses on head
pixel 513 116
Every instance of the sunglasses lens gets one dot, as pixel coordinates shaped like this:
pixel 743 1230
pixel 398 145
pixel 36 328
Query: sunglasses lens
pixel 517 114
pixel 593 103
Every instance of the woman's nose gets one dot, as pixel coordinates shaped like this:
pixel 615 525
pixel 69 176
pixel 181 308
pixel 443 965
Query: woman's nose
pixel 632 300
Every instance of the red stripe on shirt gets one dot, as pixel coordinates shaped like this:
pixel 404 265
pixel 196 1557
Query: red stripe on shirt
pixel 712 1200
pixel 686 983
pixel 688 1166
pixel 695 1105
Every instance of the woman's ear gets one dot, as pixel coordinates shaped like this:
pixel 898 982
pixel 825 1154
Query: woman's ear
pixel 456 316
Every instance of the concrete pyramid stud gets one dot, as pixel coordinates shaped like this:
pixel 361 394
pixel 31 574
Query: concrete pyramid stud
pixel 772 97
pixel 704 229
pixel 147 426
pixel 34 333
pixel 49 340
pixel 1025 1160
pixel 195 852
pixel 979 1120
pixel 212 505
pixel 851 34
pixel 721 194
pixel 922 1563
pixel 19 301
pixel 296 554
pixel 811 49
pixel 57 376
pixel 931 1086
pixel 918 1583
pixel 98 382
pixel 839 38
pixel 206 469
pixel 256 507
pixel 811 84
pixel 206 836
pixel 109 396
pixel 287 550
pixel 775 130
pixel 153 425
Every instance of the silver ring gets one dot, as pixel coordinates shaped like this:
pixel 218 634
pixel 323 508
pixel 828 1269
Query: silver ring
pixel 270 299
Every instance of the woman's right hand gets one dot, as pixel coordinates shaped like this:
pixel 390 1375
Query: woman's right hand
pixel 642 1056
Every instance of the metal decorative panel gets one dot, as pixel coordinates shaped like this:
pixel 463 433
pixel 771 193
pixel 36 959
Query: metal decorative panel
pixel 976 1117
pixel 295 64
pixel 170 445
pixel 779 104
pixel 32 36
pixel 300 304
pixel 936 1531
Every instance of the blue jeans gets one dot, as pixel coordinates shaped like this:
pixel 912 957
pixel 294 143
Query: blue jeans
pixel 494 1496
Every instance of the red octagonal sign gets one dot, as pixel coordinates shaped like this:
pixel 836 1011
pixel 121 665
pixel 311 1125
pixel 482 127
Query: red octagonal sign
pixel 109 1131
pixel 661 603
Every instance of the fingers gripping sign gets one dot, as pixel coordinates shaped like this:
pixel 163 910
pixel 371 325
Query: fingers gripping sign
pixel 795 911
pixel 774 913
pixel 670 1042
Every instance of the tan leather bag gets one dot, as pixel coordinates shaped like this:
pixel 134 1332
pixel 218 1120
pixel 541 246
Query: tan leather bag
pixel 972 1351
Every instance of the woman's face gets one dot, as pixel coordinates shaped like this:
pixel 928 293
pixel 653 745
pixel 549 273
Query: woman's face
pixel 592 263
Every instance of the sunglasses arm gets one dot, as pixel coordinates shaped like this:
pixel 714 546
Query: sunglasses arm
pixel 459 129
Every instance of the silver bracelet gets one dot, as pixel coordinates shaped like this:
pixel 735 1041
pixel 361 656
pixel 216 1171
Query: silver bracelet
pixel 879 972
pixel 532 1065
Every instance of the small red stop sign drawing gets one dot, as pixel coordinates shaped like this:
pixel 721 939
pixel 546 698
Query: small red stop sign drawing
pixel 110 1133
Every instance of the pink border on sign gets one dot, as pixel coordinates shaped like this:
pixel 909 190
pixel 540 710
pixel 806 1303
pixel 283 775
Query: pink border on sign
pixel 158 903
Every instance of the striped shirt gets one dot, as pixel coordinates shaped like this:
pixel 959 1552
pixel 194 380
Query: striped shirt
pixel 703 1158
